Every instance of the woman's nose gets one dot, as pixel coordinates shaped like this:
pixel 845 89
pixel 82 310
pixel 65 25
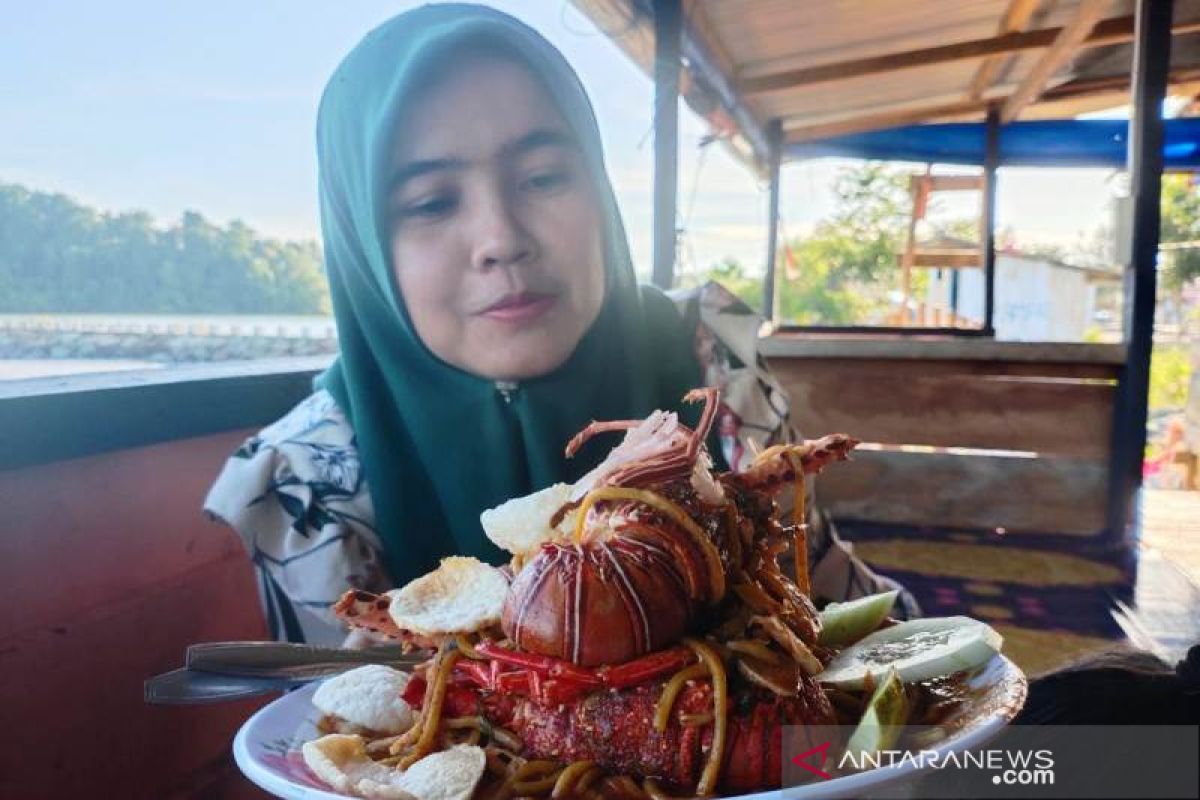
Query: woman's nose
pixel 500 236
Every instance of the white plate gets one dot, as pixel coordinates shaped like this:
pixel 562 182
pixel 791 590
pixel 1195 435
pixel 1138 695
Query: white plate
pixel 267 746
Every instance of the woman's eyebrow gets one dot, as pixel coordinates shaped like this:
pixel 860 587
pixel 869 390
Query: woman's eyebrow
pixel 543 137
pixel 414 169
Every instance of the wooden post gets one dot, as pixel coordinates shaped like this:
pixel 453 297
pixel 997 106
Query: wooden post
pixel 1151 62
pixel 775 147
pixel 667 31
pixel 919 186
pixel 991 160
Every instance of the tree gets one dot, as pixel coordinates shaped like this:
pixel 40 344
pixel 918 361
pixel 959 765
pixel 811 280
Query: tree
pixel 1180 211
pixel 58 255
pixel 843 271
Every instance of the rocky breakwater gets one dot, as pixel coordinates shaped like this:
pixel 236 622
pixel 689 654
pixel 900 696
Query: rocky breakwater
pixel 168 344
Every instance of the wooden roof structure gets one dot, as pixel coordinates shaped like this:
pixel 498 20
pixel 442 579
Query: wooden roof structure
pixel 824 68
pixel 769 75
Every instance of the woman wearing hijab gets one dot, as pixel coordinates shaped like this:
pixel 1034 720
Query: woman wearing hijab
pixel 487 310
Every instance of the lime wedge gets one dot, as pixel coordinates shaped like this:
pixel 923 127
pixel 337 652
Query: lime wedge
pixel 846 623
pixel 883 721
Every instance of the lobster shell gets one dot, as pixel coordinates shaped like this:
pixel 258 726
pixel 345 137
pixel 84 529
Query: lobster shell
pixel 753 758
pixel 600 602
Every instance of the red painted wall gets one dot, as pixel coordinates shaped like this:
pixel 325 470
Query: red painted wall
pixel 108 570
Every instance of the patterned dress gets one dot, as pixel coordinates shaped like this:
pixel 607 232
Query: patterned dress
pixel 296 494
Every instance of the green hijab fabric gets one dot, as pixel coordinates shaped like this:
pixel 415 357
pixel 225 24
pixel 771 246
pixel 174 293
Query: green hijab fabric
pixel 440 445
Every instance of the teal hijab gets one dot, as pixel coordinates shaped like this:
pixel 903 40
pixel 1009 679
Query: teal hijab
pixel 440 445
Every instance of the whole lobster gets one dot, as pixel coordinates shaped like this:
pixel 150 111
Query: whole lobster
pixel 658 548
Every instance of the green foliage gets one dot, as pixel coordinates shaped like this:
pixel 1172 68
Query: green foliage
pixel 966 228
pixel 58 255
pixel 1180 223
pixel 826 288
pixel 845 268
pixel 1170 371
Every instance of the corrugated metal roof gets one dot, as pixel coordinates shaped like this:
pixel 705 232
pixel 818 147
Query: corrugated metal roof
pixel 828 67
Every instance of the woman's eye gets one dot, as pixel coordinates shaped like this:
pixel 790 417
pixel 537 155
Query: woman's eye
pixel 547 181
pixel 430 208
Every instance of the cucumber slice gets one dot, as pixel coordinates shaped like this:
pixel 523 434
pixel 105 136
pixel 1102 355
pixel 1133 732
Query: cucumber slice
pixel 846 623
pixel 918 650
pixel 883 721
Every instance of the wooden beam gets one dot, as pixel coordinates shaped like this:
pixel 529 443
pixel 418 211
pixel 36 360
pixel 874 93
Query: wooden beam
pixel 878 120
pixel 629 24
pixel 960 404
pixel 1181 77
pixel 800 130
pixel 1066 44
pixel 950 183
pixel 618 21
pixel 1110 31
pixel 703 60
pixel 1051 494
pixel 919 189
pixel 696 19
pixel 942 259
pixel 1015 19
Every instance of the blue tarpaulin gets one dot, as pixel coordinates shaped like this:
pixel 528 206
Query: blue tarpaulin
pixel 1050 143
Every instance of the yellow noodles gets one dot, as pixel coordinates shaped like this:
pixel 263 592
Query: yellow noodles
pixel 662 713
pixel 712 770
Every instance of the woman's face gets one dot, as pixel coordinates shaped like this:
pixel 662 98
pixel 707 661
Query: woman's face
pixel 495 225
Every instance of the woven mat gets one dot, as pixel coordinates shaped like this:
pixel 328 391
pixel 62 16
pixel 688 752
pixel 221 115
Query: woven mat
pixel 1053 606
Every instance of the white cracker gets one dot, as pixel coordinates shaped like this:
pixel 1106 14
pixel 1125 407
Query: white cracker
pixel 368 696
pixel 462 595
pixel 447 775
pixel 343 763
pixel 522 524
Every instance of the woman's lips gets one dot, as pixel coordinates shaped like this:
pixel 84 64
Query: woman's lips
pixel 521 307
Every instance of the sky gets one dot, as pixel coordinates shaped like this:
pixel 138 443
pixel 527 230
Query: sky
pixel 164 107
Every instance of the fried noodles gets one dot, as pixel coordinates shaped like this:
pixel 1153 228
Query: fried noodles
pixel 716 668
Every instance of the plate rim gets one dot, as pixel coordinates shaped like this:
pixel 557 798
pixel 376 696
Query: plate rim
pixel 847 785
pixel 265 778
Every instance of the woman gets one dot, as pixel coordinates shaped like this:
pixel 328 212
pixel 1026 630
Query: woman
pixel 486 307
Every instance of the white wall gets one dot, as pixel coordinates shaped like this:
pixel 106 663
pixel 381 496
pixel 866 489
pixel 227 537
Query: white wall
pixel 1035 300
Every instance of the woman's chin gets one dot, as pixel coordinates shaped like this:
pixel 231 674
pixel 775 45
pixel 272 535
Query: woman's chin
pixel 503 353
pixel 519 360
pixel 519 367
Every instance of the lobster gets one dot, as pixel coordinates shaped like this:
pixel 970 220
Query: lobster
pixel 561 719
pixel 641 572
pixel 594 623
